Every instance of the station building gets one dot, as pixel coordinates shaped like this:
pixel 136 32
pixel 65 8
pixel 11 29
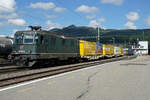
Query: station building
pixel 141 48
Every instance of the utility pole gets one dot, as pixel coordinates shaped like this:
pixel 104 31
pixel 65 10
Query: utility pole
pixel 113 41
pixel 143 35
pixel 98 34
pixel 125 44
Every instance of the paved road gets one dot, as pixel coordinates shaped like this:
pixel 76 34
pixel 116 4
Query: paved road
pixel 121 80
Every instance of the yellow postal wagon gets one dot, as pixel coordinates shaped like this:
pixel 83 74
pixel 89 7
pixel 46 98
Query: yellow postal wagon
pixel 108 50
pixel 89 50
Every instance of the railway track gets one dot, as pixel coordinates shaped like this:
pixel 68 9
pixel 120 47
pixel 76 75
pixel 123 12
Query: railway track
pixel 12 69
pixel 26 75
pixel 3 61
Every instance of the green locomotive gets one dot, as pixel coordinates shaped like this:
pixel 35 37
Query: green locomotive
pixel 37 45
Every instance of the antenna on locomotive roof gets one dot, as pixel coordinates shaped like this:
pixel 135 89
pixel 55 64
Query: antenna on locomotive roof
pixel 35 28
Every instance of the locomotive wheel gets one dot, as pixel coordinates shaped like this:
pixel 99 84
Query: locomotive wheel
pixel 25 63
pixel 30 64
pixel 21 63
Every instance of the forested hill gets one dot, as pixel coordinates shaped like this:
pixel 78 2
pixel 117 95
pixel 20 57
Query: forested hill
pixel 106 36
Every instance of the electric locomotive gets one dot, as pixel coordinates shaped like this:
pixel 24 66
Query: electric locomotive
pixel 37 45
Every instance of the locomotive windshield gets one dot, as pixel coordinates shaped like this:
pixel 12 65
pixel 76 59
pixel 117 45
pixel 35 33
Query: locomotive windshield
pixel 28 38
pixel 24 38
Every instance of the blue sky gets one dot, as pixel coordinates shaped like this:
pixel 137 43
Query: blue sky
pixel 110 14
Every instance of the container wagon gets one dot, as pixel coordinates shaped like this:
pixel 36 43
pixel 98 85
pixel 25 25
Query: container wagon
pixel 108 50
pixel 90 50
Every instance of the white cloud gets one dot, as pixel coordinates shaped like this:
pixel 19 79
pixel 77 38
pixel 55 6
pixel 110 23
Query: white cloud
pixel 115 2
pixel 3 23
pixel 147 20
pixel 43 5
pixel 2 35
pixel 50 25
pixel 47 6
pixel 50 16
pixel 16 22
pixel 59 9
pixel 130 25
pixel 101 20
pixel 91 16
pixel 93 23
pixel 97 22
pixel 86 9
pixel 132 16
pixel 7 6
pixel 9 16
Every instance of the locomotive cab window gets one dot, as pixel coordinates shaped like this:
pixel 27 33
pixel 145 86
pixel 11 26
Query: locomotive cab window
pixel 28 38
pixel 18 39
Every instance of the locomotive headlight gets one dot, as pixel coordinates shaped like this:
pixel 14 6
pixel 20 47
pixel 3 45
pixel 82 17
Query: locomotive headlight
pixel 13 51
pixel 30 51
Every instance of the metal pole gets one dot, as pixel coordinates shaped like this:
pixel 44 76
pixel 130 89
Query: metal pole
pixel 98 35
pixel 113 41
pixel 143 35
pixel 97 38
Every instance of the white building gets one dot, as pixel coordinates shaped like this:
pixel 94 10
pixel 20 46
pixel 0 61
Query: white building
pixel 141 48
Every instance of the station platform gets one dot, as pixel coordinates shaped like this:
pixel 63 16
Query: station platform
pixel 120 80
